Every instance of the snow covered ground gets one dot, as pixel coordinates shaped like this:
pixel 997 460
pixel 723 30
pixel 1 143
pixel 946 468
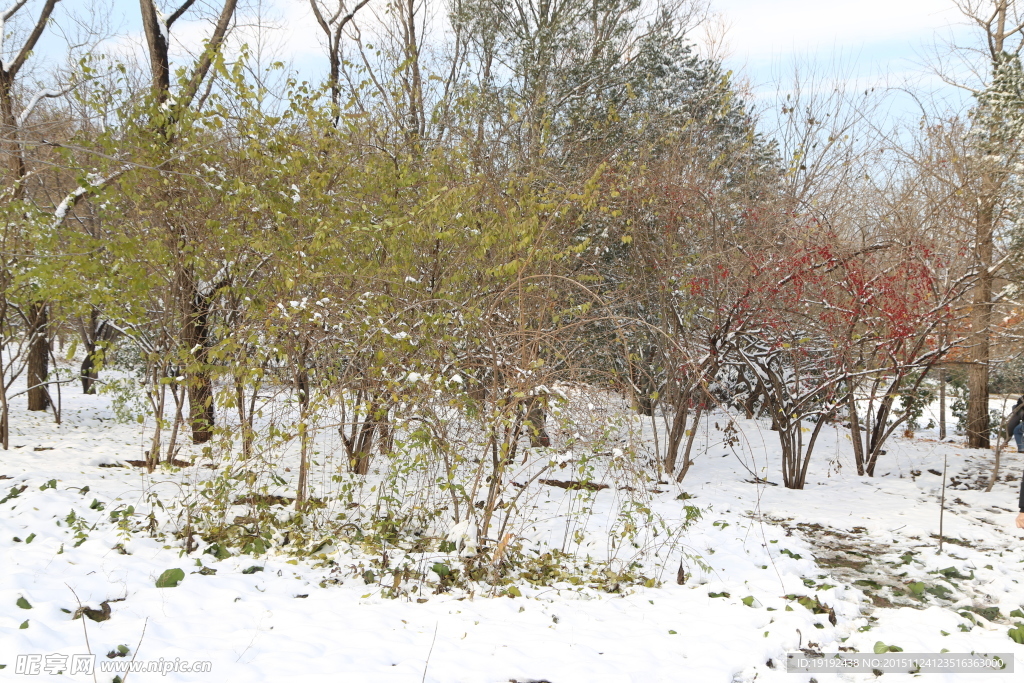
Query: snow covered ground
pixel 780 567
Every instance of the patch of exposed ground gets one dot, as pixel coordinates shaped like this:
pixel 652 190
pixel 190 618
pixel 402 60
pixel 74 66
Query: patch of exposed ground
pixel 892 575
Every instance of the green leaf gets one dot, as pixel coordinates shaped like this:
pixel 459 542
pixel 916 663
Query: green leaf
pixel 441 569
pixel 170 578
pixel 748 601
pixel 989 613
pixel 30 538
pixel 881 648
pixel 1017 634
pixel 218 551
pixel 514 592
pixel 23 603
pixel 917 588
pixel 671 632
pixel 24 624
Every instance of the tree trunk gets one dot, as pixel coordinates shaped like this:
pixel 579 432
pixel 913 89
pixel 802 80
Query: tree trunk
pixel 172 445
pixel 9 139
pixel 302 389
pixel 195 337
pixel 88 372
pixel 158 402
pixel 359 444
pixel 38 358
pixel 855 433
pixel 497 470
pixel 5 425
pixel 536 416
pixel 200 407
pixel 790 455
pixel 157 41
pixel 681 415
pixel 687 459
pixel 642 379
pixel 981 324
pixel 880 428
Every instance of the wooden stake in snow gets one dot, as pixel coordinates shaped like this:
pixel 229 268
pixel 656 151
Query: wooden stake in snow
pixel 942 404
pixel 942 499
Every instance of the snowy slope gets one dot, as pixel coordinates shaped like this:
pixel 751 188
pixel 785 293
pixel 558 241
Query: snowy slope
pixel 760 543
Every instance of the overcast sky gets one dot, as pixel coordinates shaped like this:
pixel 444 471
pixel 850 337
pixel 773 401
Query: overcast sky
pixel 874 41
pixel 867 42
pixel 763 30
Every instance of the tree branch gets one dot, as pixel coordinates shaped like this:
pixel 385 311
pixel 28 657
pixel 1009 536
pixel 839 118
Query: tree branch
pixel 33 38
pixel 213 46
pixel 178 12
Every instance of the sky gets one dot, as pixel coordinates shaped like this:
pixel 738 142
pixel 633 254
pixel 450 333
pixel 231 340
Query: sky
pixel 855 43
pixel 761 32
pixel 879 43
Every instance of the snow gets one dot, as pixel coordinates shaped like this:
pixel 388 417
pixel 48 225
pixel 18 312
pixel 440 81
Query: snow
pixel 298 619
pixel 34 101
pixel 60 212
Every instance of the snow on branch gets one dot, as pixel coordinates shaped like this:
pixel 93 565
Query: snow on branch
pixel 4 16
pixel 39 97
pixel 94 182
pixel 10 11
pixel 12 68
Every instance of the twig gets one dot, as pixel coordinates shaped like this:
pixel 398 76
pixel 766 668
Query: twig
pixel 44 384
pixel 136 653
pixel 1001 441
pixel 85 630
pixel 430 652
